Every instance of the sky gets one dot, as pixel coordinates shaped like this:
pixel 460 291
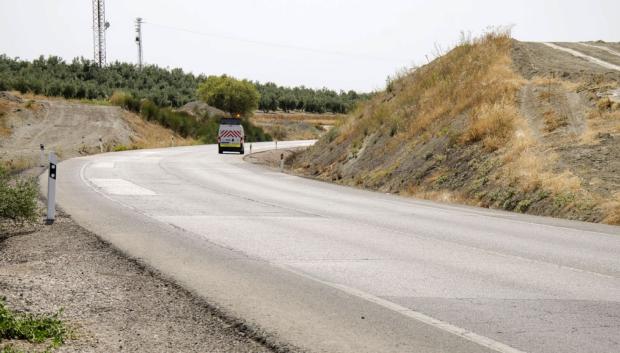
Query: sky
pixel 338 44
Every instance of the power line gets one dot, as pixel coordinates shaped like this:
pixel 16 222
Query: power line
pixel 269 44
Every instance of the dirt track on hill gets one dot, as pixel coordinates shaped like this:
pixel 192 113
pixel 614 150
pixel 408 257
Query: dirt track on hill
pixel 71 129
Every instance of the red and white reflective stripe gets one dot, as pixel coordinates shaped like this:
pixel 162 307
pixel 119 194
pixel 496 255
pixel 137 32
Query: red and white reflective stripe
pixel 230 133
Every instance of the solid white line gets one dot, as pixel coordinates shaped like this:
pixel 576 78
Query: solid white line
pixel 578 54
pixel 416 315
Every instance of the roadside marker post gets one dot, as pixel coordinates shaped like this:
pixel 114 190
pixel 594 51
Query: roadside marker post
pixel 276 144
pixel 100 145
pixel 281 162
pixel 250 148
pixel 43 159
pixel 51 189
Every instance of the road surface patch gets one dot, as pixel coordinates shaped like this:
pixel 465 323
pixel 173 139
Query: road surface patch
pixel 121 187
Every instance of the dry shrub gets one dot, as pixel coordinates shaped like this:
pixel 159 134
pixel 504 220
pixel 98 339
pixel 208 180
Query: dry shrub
pixel 491 124
pixel 553 121
pixel 604 104
pixel 120 98
pixel 562 183
pixel 611 209
pixel 600 122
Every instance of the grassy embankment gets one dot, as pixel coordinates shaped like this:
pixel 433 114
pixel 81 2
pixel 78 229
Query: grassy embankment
pixel 452 131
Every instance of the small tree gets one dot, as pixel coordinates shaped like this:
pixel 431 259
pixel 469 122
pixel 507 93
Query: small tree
pixel 237 97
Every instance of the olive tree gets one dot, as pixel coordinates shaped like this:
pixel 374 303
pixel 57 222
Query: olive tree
pixel 237 97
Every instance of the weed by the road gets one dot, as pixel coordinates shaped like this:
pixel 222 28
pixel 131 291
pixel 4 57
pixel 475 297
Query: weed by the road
pixel 18 198
pixel 35 329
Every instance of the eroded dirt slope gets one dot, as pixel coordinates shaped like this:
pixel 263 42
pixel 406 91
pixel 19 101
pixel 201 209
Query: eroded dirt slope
pixel 71 129
pixel 495 123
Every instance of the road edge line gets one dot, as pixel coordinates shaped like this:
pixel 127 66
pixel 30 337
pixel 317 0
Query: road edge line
pixel 416 315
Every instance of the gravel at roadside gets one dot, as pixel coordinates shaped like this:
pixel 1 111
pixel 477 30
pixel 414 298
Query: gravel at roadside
pixel 113 304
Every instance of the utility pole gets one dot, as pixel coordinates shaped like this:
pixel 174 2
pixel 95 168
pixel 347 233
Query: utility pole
pixel 139 40
pixel 100 25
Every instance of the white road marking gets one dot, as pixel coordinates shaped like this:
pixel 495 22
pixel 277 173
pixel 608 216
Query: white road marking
pixel 103 165
pixel 610 51
pixel 416 315
pixel 591 59
pixel 121 187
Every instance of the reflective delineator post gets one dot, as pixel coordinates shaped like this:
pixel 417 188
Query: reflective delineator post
pixel 250 148
pixel 51 189
pixel 43 159
pixel 281 161
pixel 100 145
pixel 276 144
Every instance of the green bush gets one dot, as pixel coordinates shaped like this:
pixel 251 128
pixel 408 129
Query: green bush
pixel 18 198
pixel 31 328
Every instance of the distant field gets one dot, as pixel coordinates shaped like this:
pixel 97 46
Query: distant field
pixel 296 125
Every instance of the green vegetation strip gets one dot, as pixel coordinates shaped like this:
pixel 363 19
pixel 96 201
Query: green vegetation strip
pixel 83 79
pixel 18 198
pixel 32 328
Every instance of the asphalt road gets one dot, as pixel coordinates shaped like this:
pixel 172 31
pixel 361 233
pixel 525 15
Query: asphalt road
pixel 335 269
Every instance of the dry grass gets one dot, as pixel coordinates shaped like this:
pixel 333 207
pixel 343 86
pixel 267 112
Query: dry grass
pixel 612 210
pixel 473 77
pixel 600 122
pixel 464 106
pixel 321 119
pixel 16 165
pixel 491 124
pixel 553 121
pixel 5 130
pixel 296 126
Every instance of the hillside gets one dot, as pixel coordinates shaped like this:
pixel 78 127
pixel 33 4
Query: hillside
pixel 71 129
pixel 495 123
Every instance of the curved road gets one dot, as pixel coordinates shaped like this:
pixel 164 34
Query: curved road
pixel 334 269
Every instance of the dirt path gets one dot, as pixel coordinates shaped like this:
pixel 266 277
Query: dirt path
pixel 537 59
pixel 65 127
pixel 113 304
pixel 72 129
pixel 560 105
pixel 580 54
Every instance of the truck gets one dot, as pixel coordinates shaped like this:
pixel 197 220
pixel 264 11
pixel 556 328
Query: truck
pixel 230 136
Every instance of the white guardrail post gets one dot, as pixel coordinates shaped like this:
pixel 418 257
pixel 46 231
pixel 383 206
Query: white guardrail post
pixel 51 189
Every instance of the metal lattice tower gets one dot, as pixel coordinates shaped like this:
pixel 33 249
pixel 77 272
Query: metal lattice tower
pixel 99 28
pixel 139 40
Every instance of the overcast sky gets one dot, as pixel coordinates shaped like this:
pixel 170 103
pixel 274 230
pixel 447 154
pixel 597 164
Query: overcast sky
pixel 339 44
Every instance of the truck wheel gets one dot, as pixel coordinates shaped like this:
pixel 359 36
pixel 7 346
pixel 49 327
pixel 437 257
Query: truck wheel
pixel 219 149
pixel 241 150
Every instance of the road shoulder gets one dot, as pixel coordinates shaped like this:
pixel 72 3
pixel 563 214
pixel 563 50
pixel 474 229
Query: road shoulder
pixel 111 303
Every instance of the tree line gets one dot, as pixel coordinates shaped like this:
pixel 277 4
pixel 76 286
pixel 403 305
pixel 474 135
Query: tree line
pixel 274 97
pixel 83 79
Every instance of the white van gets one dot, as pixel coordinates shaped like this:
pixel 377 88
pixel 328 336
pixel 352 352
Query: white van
pixel 230 136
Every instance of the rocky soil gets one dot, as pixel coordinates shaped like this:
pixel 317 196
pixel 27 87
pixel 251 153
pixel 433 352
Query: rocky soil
pixel 111 303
